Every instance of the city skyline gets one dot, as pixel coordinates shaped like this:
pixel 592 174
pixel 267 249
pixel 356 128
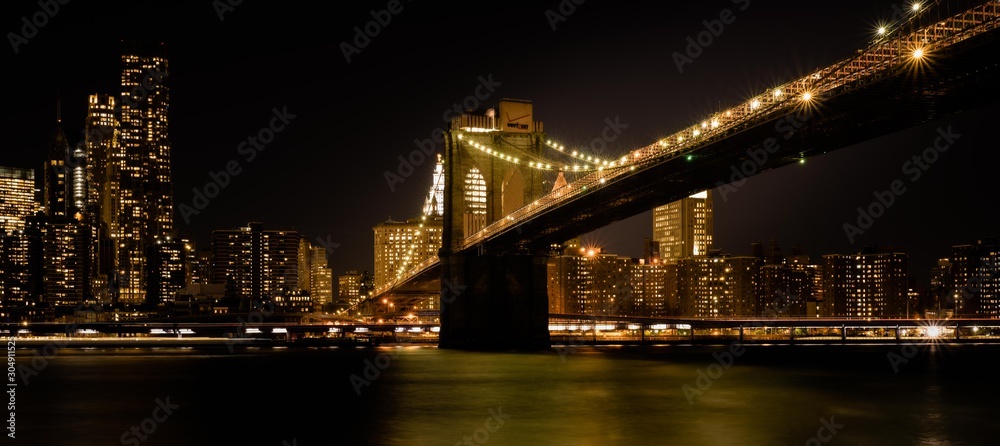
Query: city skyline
pixel 558 222
pixel 812 215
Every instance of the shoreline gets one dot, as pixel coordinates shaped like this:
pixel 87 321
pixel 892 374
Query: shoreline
pixel 41 343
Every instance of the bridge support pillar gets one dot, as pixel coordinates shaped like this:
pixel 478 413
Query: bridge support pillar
pixel 494 302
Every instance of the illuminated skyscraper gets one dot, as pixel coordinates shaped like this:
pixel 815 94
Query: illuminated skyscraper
pixel 77 169
pixel 320 279
pixel 141 190
pixel 866 284
pixel 56 190
pixel 165 261
pixel 315 275
pixel 400 246
pixel 22 270
pixel 96 174
pixel 17 197
pixel 68 260
pixel 975 275
pixel 684 228
pixel 255 263
pixel 349 287
pixel 103 155
pixel 435 198
pixel 717 285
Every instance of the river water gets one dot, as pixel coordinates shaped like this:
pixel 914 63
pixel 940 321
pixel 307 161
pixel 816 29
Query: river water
pixel 422 395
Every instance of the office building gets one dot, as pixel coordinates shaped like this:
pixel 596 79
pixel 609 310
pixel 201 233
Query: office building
pixel 17 197
pixel 400 246
pixel 255 263
pixel 165 260
pixel 684 228
pixel 717 285
pixel 141 189
pixel 975 279
pixel 866 284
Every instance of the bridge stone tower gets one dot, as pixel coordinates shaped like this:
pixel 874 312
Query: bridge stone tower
pixel 492 296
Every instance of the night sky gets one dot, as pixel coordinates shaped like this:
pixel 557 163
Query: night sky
pixel 324 174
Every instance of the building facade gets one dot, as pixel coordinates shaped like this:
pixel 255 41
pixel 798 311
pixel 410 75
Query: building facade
pixel 142 200
pixel 975 279
pixel 867 284
pixel 17 187
pixel 717 286
pixel 684 228
pixel 400 246
pixel 255 263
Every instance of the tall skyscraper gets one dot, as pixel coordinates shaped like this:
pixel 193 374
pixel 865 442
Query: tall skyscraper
pixel 104 159
pixel 867 284
pixel 56 191
pixel 15 274
pixel 165 261
pixel 255 263
pixel 68 261
pixel 684 228
pixel 434 204
pixel 143 201
pixel 975 275
pixel 402 245
pixel 315 275
pixel 17 197
pixel 102 167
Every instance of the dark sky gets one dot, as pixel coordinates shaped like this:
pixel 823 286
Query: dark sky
pixel 324 175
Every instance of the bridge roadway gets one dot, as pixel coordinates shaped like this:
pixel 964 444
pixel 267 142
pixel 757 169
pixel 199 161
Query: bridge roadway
pixel 564 329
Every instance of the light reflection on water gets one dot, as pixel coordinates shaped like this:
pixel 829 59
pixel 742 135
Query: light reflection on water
pixel 596 396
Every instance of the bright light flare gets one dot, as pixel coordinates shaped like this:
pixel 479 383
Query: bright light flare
pixel 918 53
pixel 933 331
